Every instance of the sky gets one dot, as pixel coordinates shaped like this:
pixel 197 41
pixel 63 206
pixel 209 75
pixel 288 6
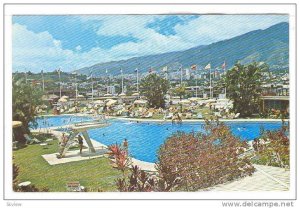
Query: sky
pixel 72 42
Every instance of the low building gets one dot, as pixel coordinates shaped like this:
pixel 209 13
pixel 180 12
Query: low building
pixel 274 102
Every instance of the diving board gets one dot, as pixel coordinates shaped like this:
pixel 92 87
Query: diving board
pixel 81 128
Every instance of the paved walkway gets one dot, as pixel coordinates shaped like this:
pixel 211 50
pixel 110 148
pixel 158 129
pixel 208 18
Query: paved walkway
pixel 265 178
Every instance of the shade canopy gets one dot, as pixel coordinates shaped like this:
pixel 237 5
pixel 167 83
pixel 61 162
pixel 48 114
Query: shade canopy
pixel 184 102
pixel 98 102
pixel 62 100
pixel 65 97
pixel 135 94
pixel 140 102
pixel 16 124
pixel 111 102
pixel 194 99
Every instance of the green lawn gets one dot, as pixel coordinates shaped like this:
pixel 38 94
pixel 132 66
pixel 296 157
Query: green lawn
pixel 93 174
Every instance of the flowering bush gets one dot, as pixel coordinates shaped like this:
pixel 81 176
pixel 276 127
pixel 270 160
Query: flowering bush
pixel 204 159
pixel 273 148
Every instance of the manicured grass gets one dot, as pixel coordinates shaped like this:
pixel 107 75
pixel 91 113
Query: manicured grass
pixel 93 174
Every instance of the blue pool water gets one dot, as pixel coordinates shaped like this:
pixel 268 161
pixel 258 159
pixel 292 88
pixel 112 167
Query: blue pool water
pixel 145 138
pixel 55 121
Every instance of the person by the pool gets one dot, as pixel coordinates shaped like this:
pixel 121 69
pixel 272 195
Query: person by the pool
pixel 80 142
pixel 125 145
pixel 64 139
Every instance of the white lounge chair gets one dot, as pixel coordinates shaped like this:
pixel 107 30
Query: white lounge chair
pixel 169 116
pixel 218 114
pixel 233 116
pixel 30 140
pixel 188 116
pixel 199 116
pixel 150 114
pixel 236 115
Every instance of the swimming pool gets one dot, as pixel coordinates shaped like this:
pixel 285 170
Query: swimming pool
pixel 145 138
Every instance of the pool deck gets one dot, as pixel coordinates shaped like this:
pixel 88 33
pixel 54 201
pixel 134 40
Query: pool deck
pixel 169 120
pixel 198 120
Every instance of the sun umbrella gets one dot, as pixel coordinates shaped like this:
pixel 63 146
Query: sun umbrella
pixel 65 97
pixel 98 102
pixel 111 102
pixel 140 102
pixel 62 100
pixel 135 94
pixel 16 124
pixel 184 102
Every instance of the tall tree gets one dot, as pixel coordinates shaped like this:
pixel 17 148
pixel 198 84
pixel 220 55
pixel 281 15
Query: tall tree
pixel 180 91
pixel 154 88
pixel 243 84
pixel 25 100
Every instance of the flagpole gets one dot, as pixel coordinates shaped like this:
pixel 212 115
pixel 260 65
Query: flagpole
pixel 224 67
pixel 122 81
pixel 43 81
pixel 210 82
pixel 196 82
pixel 107 82
pixel 59 83
pixel 76 88
pixel 181 75
pixel 92 88
pixel 225 83
pixel 137 80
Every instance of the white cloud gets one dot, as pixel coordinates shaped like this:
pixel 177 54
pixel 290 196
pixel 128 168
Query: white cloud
pixel 37 51
pixel 211 28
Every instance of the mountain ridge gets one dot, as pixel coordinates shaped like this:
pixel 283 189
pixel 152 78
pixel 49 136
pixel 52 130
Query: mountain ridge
pixel 270 45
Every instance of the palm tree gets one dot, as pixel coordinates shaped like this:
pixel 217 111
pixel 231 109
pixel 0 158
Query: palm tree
pixel 243 84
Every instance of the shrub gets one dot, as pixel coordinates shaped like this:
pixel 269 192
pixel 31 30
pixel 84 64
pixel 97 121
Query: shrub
pixel 204 159
pixel 15 172
pixel 30 188
pixel 273 148
pixel 140 181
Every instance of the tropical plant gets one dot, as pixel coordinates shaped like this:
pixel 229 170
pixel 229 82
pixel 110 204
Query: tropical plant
pixel 25 100
pixel 243 83
pixel 140 181
pixel 120 157
pixel 202 160
pixel 154 88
